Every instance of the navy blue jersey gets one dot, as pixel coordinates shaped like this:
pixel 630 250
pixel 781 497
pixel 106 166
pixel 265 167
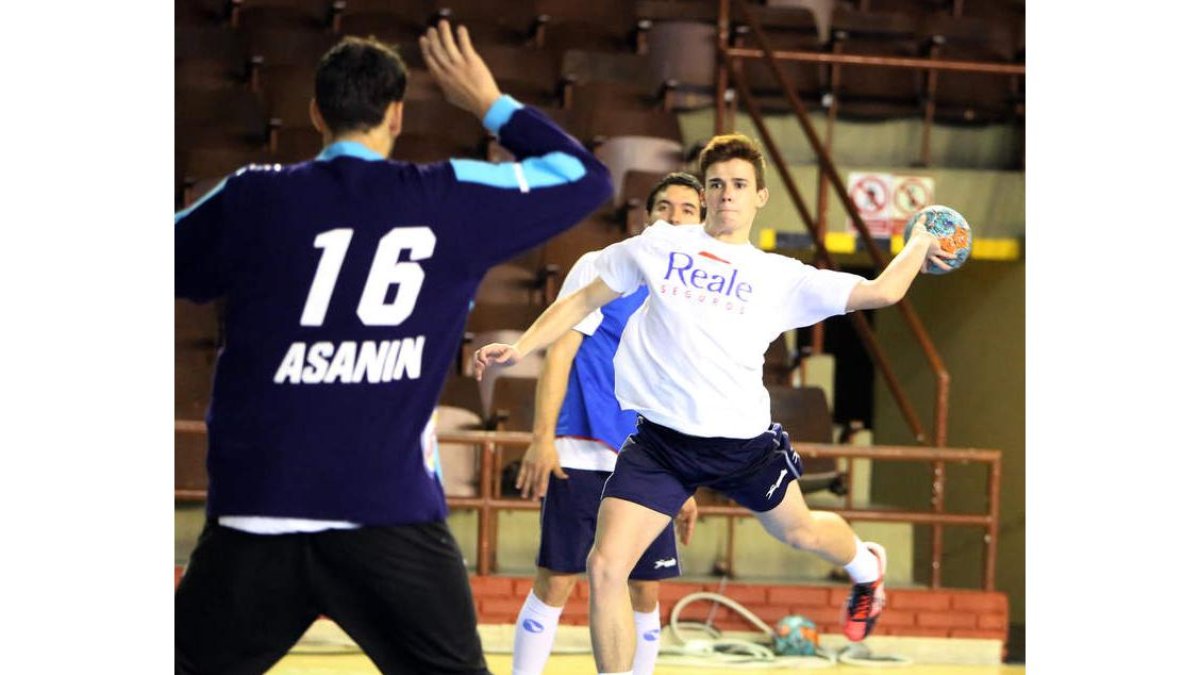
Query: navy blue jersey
pixel 346 281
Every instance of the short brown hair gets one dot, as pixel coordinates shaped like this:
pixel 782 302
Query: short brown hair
pixel 357 79
pixel 734 146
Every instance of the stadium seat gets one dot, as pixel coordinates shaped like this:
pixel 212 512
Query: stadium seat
pixel 528 367
pixel 441 124
pixel 677 10
pixel 684 54
pixel 492 22
pixel 592 234
pixel 287 91
pixel 604 123
pixel 282 47
pixel 786 29
pixel 210 56
pixel 394 21
pixel 216 162
pixel 780 362
pixel 459 461
pixel 530 75
pixel 232 116
pixel 568 24
pixel 514 284
pixel 612 80
pixel 296 144
pixel 310 15
pixel 200 12
pixel 638 153
pixel 486 317
pixel 822 13
pixel 513 402
pixel 868 92
pixel 970 97
pixel 462 391
pixel 635 190
pixel 421 86
pixel 911 7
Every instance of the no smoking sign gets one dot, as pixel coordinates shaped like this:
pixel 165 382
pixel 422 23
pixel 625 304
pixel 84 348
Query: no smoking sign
pixel 872 197
pixel 912 193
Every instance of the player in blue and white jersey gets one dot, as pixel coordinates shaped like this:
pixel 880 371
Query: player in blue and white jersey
pixel 690 364
pixel 346 281
pixel 579 425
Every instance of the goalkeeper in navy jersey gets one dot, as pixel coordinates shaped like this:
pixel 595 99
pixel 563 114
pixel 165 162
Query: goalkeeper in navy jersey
pixel 346 281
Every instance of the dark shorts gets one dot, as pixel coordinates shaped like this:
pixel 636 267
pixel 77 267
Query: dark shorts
pixel 569 527
pixel 400 592
pixel 660 468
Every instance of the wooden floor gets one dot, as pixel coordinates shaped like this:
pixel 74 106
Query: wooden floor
pixel 326 650
pixel 501 664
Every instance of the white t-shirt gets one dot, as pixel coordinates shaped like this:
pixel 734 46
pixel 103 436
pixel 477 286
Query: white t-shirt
pixel 691 359
pixel 582 273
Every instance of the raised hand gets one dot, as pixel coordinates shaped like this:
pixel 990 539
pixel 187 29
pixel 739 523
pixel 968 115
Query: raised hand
pixel 458 69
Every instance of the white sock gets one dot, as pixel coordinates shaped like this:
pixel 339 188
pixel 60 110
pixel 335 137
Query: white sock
pixel 536 625
pixel 648 627
pixel 864 569
pixel 623 672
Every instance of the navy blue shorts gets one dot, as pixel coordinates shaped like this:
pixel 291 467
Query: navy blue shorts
pixel 569 513
pixel 660 468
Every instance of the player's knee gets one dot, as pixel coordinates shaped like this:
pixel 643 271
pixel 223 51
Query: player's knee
pixel 644 595
pixel 604 570
pixel 804 537
pixel 554 589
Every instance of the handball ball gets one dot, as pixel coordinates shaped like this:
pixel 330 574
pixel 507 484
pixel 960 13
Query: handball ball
pixel 952 231
pixel 795 636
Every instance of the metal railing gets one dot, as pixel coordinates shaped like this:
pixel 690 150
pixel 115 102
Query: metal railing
pixel 490 502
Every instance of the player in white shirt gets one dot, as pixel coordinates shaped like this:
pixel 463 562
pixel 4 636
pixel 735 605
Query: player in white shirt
pixel 578 425
pixel 690 363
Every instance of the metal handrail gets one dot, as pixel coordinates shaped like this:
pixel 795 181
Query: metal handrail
pixel 903 62
pixel 488 503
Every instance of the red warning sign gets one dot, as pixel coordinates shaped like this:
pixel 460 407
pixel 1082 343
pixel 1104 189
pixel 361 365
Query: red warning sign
pixel 910 194
pixel 872 197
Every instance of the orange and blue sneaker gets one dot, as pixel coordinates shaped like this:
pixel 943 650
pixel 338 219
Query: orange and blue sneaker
pixel 866 601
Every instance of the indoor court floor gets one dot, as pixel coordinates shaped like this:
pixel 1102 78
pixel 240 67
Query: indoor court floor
pixel 326 650
pixel 575 664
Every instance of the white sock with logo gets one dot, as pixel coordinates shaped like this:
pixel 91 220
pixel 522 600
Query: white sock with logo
pixel 864 569
pixel 648 627
pixel 536 625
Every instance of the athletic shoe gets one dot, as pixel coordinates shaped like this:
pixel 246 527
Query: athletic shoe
pixel 866 601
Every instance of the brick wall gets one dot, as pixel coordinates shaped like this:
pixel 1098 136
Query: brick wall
pixel 911 612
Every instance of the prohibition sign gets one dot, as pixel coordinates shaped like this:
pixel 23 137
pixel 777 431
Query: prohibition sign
pixel 870 195
pixel 912 195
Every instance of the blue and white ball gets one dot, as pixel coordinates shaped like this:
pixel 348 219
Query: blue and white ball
pixel 952 231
